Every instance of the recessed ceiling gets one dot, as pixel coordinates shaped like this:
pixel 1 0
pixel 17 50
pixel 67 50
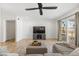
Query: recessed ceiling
pixel 19 9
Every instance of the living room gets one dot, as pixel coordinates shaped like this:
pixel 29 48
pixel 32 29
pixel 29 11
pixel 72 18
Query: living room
pixel 26 32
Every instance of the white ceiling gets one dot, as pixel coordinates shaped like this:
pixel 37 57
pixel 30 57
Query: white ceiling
pixel 19 9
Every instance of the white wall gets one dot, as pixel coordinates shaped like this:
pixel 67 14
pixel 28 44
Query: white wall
pixel 4 15
pixel 1 30
pixel 25 27
pixel 1 27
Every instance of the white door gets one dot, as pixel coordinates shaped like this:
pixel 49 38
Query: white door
pixel 10 29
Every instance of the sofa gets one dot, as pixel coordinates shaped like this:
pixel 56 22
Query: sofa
pixel 60 49
pixel 64 49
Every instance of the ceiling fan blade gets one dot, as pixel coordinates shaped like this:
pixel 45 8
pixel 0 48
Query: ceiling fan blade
pixel 40 8
pixel 41 13
pixel 49 7
pixel 31 8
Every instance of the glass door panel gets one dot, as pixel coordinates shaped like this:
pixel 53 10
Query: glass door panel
pixel 67 30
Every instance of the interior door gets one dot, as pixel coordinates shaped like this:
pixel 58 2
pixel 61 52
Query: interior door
pixel 10 29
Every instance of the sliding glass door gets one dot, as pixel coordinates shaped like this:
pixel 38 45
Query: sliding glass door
pixel 67 30
pixel 63 30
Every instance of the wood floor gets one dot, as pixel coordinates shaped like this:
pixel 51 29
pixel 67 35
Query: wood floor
pixel 11 45
pixel 20 46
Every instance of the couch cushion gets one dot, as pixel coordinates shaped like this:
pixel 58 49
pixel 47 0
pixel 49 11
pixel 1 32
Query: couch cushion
pixel 75 52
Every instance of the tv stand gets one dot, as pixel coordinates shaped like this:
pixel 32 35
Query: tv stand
pixel 40 36
pixel 39 33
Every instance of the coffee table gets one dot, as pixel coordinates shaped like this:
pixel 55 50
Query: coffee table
pixel 36 50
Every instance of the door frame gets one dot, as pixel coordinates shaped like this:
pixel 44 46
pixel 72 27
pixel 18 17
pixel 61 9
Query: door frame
pixel 5 33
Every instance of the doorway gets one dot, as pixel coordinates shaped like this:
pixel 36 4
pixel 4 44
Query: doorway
pixel 11 30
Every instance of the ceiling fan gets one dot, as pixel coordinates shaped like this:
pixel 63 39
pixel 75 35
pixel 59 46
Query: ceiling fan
pixel 40 7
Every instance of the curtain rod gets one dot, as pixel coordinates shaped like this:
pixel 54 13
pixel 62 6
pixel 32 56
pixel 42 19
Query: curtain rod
pixel 67 16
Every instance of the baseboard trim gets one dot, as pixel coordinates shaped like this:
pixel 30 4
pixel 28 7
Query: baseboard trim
pixel 38 40
pixel 2 41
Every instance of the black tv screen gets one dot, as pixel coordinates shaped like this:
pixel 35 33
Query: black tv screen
pixel 40 29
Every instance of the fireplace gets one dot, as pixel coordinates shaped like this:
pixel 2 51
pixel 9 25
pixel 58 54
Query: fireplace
pixel 39 33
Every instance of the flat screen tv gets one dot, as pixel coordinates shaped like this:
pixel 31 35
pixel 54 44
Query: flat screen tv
pixel 38 29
